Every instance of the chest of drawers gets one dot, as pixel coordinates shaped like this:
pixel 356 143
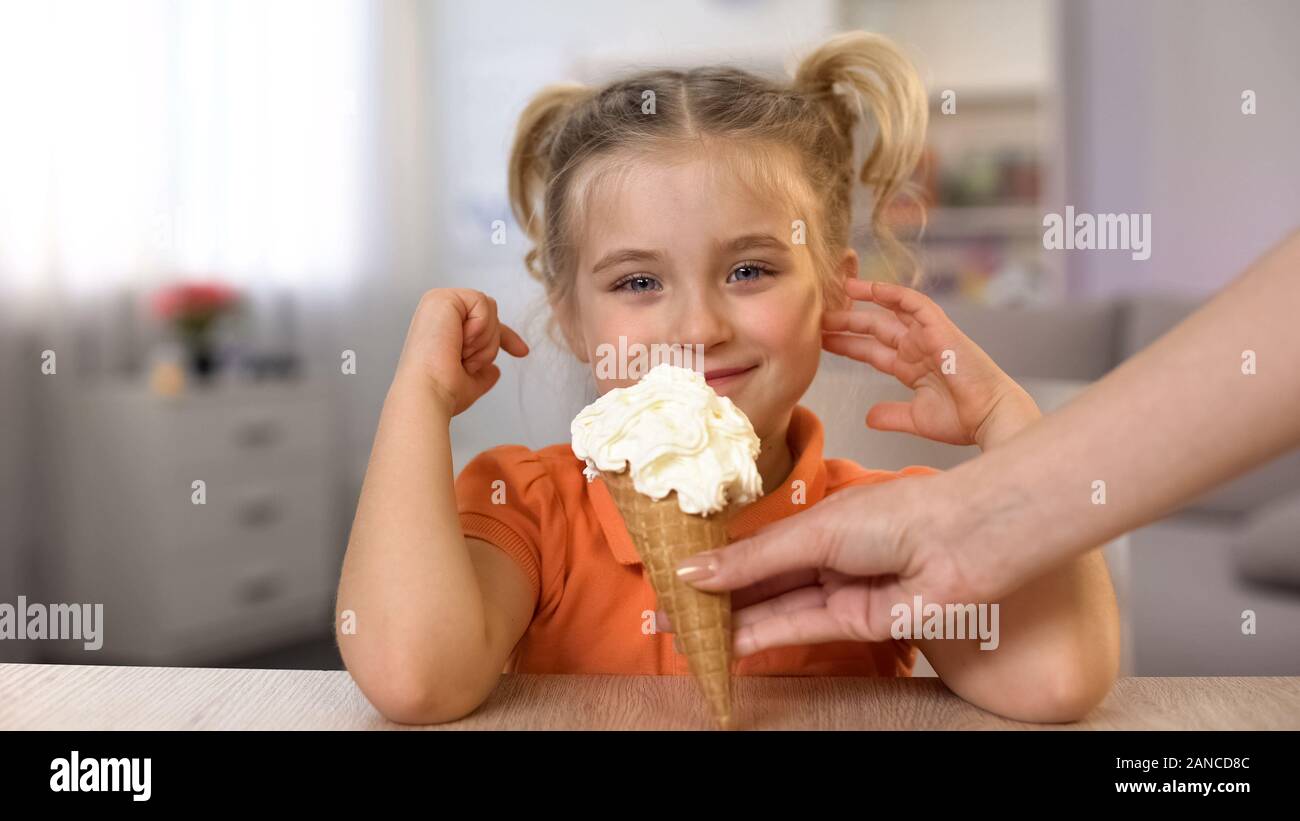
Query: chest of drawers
pixel 253 565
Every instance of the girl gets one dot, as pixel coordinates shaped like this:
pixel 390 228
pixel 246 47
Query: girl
pixel 707 208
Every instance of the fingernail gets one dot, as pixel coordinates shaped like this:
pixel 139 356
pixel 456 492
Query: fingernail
pixel 697 568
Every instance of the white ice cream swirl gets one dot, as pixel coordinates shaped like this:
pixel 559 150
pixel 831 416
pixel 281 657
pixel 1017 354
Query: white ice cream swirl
pixel 673 433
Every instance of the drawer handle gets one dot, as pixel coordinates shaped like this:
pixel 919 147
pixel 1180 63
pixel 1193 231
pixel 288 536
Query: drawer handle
pixel 261 588
pixel 261 512
pixel 258 433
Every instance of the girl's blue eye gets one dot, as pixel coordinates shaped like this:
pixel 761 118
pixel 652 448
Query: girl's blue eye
pixel 642 283
pixel 759 271
pixel 637 284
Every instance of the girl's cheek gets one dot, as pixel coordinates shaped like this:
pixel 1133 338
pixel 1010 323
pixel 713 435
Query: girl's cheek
pixel 785 319
pixel 603 333
pixel 612 324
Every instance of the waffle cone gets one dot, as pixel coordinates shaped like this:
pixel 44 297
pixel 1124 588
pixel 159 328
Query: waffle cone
pixel 664 535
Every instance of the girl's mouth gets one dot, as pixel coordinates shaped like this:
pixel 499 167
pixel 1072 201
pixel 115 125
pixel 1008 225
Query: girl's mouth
pixel 725 376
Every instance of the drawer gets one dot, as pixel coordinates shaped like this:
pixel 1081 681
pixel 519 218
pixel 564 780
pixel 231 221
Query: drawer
pixel 253 437
pixel 263 544
pixel 246 516
pixel 198 594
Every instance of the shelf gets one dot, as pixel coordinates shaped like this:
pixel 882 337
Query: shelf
pixel 971 223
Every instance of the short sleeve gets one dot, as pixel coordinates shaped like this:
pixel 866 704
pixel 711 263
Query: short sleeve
pixel 918 470
pixel 505 497
pixel 845 474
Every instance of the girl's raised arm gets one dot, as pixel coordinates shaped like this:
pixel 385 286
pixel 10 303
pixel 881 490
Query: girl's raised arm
pixel 426 618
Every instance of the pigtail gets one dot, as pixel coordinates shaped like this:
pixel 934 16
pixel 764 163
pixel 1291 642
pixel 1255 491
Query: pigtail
pixel 530 162
pixel 872 70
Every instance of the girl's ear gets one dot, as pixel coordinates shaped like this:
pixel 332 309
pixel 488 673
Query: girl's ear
pixel 567 321
pixel 848 269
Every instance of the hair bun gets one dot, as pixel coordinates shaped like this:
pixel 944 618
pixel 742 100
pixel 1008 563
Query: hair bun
pixel 882 92
pixel 530 157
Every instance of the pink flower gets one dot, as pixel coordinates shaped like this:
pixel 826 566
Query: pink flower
pixel 194 301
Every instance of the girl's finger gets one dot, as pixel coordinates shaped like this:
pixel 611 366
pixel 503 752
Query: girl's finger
pixel 484 378
pixel 891 416
pixel 484 349
pixel 907 302
pixel 473 333
pixel 862 289
pixel 881 324
pixel 859 289
pixel 482 354
pixel 866 349
pixel 476 330
pixel 865 290
pixel 512 342
pixel 504 339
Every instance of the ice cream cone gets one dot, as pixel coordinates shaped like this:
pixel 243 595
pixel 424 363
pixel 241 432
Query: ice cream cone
pixel 678 460
pixel 664 535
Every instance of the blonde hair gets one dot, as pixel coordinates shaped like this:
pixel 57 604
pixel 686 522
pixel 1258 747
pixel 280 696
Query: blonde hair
pixel 855 85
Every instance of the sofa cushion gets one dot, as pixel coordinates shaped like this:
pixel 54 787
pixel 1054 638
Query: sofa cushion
pixel 1267 549
pixel 1074 341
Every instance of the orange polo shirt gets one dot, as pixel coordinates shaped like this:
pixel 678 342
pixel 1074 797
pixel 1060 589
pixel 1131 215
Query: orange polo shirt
pixel 593 602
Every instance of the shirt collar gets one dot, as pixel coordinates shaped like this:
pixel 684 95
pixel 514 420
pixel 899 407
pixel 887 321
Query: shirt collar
pixel 805 438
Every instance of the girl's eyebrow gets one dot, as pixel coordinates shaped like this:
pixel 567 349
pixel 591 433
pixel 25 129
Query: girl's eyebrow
pixel 741 243
pixel 747 241
pixel 626 255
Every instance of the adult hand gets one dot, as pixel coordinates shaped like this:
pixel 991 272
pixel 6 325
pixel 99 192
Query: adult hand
pixel 835 571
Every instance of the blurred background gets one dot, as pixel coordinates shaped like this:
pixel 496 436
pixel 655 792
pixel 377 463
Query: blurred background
pixel 216 219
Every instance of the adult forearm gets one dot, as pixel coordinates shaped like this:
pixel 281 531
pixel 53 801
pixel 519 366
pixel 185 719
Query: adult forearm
pixel 1180 417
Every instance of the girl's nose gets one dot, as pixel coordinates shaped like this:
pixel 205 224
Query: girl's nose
pixel 702 322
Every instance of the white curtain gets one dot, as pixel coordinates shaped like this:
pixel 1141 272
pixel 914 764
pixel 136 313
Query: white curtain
pixel 276 145
pixel 147 141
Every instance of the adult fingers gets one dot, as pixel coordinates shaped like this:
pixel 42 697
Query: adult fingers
pixel 808 626
pixel 798 542
pixel 755 593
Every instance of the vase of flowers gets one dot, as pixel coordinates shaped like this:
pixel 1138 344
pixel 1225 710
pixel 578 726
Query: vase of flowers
pixel 193 311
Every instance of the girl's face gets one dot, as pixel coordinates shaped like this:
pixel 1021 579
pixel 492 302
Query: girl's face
pixel 678 256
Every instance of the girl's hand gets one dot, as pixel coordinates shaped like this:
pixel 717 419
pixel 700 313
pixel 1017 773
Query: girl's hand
pixel 451 344
pixel 962 396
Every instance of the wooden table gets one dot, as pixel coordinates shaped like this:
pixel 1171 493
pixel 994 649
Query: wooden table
pixel 47 697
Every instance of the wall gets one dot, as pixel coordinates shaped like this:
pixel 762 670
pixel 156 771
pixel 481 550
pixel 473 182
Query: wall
pixel 992 45
pixel 1154 124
